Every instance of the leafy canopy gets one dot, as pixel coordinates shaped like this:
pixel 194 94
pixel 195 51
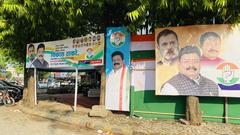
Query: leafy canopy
pixel 25 21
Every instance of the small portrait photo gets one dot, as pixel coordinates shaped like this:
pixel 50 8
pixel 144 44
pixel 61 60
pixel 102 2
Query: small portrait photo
pixel 89 53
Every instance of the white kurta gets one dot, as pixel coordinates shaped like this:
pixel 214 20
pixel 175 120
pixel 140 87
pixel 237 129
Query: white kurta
pixel 117 90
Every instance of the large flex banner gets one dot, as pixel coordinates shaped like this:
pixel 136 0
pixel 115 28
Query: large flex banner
pixel 80 51
pixel 117 69
pixel 199 60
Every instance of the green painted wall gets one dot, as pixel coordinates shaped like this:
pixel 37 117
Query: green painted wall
pixel 148 102
pixel 234 109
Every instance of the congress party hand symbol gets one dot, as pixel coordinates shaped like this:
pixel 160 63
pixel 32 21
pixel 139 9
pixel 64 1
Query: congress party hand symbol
pixel 227 74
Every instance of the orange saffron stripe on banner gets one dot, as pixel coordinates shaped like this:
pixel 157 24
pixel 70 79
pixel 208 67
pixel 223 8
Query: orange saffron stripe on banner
pixel 121 88
pixel 232 66
pixel 142 38
pixel 145 59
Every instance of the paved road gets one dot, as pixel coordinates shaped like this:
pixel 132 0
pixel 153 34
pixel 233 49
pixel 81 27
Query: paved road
pixel 15 122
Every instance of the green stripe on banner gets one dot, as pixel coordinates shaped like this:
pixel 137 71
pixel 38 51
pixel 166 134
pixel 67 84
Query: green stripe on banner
pixel 142 54
pixel 99 55
pixel 27 59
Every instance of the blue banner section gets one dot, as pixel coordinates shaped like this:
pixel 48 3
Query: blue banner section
pixel 232 87
pixel 117 69
pixel 118 39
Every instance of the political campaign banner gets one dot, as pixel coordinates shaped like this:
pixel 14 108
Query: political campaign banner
pixel 74 52
pixel 142 63
pixel 117 69
pixel 198 60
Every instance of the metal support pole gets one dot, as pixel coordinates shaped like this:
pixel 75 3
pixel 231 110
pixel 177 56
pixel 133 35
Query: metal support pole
pixel 213 20
pixel 76 90
pixel 226 110
pixel 35 87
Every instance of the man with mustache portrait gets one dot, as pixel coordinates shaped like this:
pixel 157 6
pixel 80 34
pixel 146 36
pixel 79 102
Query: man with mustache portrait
pixel 31 55
pixel 189 81
pixel 118 85
pixel 167 44
pixel 166 49
pixel 40 62
pixel 210 43
pixel 31 52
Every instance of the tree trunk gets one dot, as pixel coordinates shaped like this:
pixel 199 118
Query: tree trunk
pixel 29 89
pixel 103 86
pixel 193 111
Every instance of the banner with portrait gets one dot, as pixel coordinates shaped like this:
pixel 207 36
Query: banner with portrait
pixel 198 60
pixel 117 69
pixel 73 52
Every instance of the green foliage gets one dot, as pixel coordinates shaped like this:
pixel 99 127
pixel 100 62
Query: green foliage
pixel 3 60
pixel 43 75
pixel 164 13
pixel 8 75
pixel 139 11
pixel 26 21
pixel 19 68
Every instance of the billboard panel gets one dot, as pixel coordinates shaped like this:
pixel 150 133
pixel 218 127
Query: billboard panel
pixel 199 60
pixel 80 51
pixel 117 69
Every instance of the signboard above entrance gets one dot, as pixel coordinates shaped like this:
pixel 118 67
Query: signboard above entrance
pixel 75 52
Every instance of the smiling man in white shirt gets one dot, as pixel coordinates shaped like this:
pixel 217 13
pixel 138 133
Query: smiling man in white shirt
pixel 118 86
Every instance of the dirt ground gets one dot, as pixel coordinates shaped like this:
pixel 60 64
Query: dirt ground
pixel 14 122
pixel 23 124
pixel 144 126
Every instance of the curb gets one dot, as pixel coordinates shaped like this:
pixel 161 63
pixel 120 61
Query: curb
pixel 81 121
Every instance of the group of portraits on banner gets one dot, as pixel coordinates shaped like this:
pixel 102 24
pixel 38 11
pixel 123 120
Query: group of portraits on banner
pixel 197 60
